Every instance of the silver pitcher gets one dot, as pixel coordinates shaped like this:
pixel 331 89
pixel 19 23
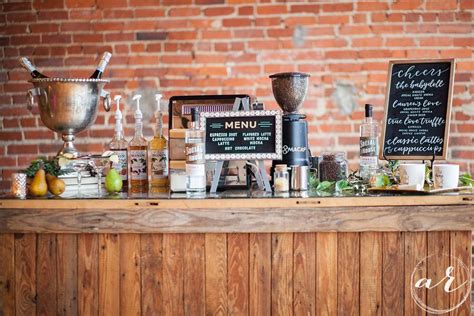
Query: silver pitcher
pixel 68 106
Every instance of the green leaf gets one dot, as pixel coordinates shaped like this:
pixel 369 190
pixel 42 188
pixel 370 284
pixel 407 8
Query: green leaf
pixel 50 166
pixel 466 180
pixel 381 180
pixel 325 186
pixel 313 181
pixel 393 165
pixel 341 185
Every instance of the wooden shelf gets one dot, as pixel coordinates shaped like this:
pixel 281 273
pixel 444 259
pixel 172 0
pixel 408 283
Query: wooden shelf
pixel 256 215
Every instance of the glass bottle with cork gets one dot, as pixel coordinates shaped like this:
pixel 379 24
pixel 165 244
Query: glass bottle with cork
pixel 158 153
pixel 195 162
pixel 97 74
pixel 34 73
pixel 137 154
pixel 119 145
pixel 369 145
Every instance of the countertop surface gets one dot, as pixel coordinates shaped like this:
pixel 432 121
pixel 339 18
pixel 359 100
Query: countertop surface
pixel 237 211
pixel 229 199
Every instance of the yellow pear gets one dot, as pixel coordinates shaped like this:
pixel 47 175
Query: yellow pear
pixel 56 186
pixel 38 186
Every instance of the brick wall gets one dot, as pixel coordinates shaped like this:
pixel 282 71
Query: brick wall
pixel 230 46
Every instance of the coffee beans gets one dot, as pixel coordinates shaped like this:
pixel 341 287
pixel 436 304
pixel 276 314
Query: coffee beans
pixel 333 166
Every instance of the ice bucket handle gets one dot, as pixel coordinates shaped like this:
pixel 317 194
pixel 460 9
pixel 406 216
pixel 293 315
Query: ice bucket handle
pixel 107 100
pixel 30 98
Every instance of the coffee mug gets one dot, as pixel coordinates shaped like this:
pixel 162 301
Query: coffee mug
pixel 446 176
pixel 412 174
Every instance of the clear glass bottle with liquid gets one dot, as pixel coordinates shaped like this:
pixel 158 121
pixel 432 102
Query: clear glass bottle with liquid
pixel 158 154
pixel 137 155
pixel 119 146
pixel 369 145
pixel 195 162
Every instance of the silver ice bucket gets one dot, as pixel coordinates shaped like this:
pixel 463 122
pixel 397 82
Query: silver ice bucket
pixel 68 106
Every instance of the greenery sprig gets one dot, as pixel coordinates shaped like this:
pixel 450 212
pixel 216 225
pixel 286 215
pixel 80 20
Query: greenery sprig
pixel 388 175
pixel 466 180
pixel 353 184
pixel 50 166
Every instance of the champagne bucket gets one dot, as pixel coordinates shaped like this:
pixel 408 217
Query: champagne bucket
pixel 68 106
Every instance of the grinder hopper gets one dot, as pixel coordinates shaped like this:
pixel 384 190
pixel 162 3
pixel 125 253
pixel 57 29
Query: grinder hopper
pixel 289 90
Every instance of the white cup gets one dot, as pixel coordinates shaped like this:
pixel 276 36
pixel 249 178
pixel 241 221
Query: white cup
pixel 446 176
pixel 412 174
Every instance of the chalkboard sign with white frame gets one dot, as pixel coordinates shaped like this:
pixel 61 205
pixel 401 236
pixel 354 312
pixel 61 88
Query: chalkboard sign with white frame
pixel 242 135
pixel 418 109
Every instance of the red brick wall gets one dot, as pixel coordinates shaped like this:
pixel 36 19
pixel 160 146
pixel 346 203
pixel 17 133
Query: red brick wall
pixel 229 46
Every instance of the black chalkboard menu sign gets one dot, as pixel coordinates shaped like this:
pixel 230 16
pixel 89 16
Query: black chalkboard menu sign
pixel 417 109
pixel 242 135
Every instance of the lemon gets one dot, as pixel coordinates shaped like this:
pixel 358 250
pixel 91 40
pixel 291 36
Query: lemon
pixel 63 161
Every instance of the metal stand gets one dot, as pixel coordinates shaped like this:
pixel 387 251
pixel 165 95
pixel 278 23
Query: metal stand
pixel 260 175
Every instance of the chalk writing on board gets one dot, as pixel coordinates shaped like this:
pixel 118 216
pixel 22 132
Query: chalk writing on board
pixel 417 109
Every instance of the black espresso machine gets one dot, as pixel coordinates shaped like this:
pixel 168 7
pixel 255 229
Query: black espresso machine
pixel 289 90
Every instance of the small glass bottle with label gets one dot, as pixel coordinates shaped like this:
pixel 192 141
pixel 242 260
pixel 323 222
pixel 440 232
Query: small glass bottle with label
pixel 195 162
pixel 137 154
pixel 119 145
pixel 158 154
pixel 369 146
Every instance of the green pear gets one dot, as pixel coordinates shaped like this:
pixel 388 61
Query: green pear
pixel 113 181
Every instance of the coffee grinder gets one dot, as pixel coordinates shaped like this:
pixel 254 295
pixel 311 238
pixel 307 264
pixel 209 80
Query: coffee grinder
pixel 289 90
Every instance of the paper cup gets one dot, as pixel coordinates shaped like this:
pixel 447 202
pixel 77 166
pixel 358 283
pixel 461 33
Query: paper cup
pixel 412 174
pixel 446 176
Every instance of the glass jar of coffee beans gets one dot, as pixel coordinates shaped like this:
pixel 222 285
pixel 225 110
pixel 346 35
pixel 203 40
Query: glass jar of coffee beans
pixel 333 166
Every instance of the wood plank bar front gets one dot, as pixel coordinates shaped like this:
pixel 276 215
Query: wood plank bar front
pixel 331 265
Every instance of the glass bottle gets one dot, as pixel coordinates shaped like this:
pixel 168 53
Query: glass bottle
pixel 158 153
pixel 101 67
pixel 34 73
pixel 369 146
pixel 195 162
pixel 119 145
pixel 137 154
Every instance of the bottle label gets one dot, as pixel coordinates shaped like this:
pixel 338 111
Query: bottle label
pixel 121 165
pixel 195 153
pixel 138 170
pixel 195 170
pixel 369 161
pixel 369 149
pixel 159 163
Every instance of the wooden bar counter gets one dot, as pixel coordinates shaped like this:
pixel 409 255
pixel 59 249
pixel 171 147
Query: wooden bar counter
pixel 232 256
